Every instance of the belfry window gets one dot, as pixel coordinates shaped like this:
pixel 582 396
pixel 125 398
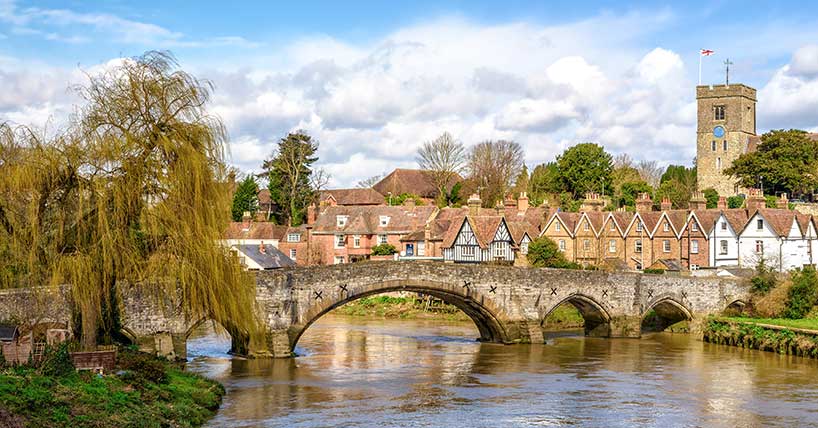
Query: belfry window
pixel 724 143
pixel 713 145
pixel 718 164
pixel 718 113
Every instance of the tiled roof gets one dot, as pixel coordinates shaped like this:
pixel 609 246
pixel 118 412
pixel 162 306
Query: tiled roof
pixel 570 220
pixel 597 219
pixel 678 218
pixel 623 219
pixel 365 220
pixel 271 258
pixel 803 222
pixel 737 218
pixel 254 230
pixel 779 220
pixel 707 219
pixel 484 228
pixel 366 196
pixel 415 181
pixel 651 219
pixel 518 229
pixel 454 228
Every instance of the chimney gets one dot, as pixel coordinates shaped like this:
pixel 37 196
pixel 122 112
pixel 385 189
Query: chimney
pixel 261 248
pixel 474 204
pixel 522 202
pixel 697 201
pixel 246 218
pixel 782 202
pixel 409 202
pixel 722 205
pixel 755 200
pixel 500 207
pixel 312 214
pixel 644 203
pixel 666 204
pixel 592 202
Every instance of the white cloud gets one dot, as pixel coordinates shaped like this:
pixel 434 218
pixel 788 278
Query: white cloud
pixel 805 61
pixel 790 98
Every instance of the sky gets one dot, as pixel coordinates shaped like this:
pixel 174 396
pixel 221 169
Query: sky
pixel 372 81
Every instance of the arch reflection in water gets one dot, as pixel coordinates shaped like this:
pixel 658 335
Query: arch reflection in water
pixel 356 372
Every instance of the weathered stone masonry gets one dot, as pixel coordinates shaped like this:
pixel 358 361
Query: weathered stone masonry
pixel 507 304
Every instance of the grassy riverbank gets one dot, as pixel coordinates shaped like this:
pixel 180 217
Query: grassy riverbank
pixel 563 317
pixel 804 323
pixel 145 392
pixel 755 333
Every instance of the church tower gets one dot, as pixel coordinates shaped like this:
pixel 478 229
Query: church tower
pixel 726 123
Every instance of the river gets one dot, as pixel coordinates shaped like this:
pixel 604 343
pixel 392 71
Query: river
pixel 354 372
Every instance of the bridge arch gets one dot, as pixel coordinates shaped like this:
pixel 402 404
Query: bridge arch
pixel 489 318
pixel 239 339
pixel 663 312
pixel 596 317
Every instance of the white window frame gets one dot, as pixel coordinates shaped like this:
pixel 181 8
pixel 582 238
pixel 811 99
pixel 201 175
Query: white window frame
pixel 293 237
pixel 666 227
pixel 639 226
pixel 586 245
pixel 723 247
pixel 694 227
pixel 694 246
pixel 524 248
pixel 557 226
pixel 612 246
pixel 637 246
pixel 562 245
pixel 338 260
pixel 341 221
pixel 666 245
pixel 383 220
pixel 759 247
pixel 293 254
pixel 613 227
pixel 383 239
pixel 420 248
pixel 500 249
pixel 356 241
pixel 340 241
pixel 467 251
pixel 586 227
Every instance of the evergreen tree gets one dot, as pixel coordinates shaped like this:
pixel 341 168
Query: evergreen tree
pixel 712 198
pixel 245 199
pixel 521 183
pixel 289 172
pixel 544 181
pixel 584 168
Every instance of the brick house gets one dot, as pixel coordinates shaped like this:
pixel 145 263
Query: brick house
pixel 560 229
pixel 350 197
pixel 414 181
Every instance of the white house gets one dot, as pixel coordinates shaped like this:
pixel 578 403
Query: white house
pixel 763 238
pixel 723 238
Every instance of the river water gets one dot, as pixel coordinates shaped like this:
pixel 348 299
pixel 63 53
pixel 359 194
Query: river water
pixel 355 372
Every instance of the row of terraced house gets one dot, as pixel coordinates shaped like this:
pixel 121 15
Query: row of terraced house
pixel 347 224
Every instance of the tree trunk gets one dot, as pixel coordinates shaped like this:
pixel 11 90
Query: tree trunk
pixel 90 325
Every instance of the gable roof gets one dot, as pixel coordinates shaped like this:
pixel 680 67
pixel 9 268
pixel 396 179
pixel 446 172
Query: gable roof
pixel 596 219
pixel 415 181
pixel 737 218
pixel 254 230
pixel 804 221
pixel 651 220
pixel 367 196
pixel 678 220
pixel 365 220
pixel 622 219
pixel 779 220
pixel 706 219
pixel 483 227
pixel 271 258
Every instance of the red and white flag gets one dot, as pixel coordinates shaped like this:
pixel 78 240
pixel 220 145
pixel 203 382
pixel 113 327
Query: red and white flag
pixel 707 52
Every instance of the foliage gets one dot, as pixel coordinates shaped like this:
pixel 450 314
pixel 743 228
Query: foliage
pixel 654 271
pixel 400 199
pixel 56 361
pixel 736 201
pixel 803 293
pixel 650 171
pixel 289 171
pixel 544 181
pixel 583 168
pixel 787 161
pixel 133 190
pixel 748 333
pixel 568 203
pixel 452 198
pixel 144 368
pixel 384 250
pixel 245 199
pixel 521 183
pixel 493 165
pixel 764 280
pixel 629 192
pixel 771 201
pixel 544 252
pixel 403 307
pixel 712 198
pixel 444 158
pixel 677 183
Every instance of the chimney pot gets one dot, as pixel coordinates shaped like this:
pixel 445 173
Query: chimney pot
pixel 666 204
pixel 722 204
pixel 522 202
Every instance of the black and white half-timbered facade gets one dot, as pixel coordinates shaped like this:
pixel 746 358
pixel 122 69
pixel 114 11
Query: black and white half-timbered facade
pixel 480 239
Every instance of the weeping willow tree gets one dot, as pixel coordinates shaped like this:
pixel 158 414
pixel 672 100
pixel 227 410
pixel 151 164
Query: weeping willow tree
pixel 133 191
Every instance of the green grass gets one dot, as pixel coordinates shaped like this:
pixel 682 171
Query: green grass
pixel 564 316
pixel 805 323
pixel 82 399
pixel 401 307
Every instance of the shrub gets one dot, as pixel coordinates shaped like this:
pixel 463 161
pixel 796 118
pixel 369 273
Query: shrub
pixel 764 279
pixel 544 252
pixel 654 271
pixel 735 201
pixel 384 250
pixel 56 361
pixel 803 293
pixel 143 367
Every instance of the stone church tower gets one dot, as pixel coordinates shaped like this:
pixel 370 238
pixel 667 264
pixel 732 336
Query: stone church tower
pixel 726 123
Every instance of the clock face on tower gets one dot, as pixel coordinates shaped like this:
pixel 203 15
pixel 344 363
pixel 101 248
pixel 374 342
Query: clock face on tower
pixel 718 131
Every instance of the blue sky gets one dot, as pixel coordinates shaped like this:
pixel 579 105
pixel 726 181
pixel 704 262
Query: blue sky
pixel 373 80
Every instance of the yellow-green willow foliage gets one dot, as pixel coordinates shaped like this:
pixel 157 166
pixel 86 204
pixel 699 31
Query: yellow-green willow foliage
pixel 133 191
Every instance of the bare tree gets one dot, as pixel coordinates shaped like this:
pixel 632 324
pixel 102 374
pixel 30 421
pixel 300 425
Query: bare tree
pixel 493 165
pixel 650 171
pixel 444 158
pixel 369 182
pixel 319 179
pixel 622 160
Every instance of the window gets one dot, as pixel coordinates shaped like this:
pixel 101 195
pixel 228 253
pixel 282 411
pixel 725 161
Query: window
pixel 694 227
pixel 638 266
pixel 723 247
pixel 638 226
pixel 586 227
pixel 382 239
pixel 340 241
pixel 723 225
pixel 586 244
pixel 339 260
pixel 666 245
pixel 557 226
pixel 341 220
pixel 500 249
pixel 384 220
pixel 759 224
pixel 666 227
pixel 562 245
pixel 694 246
pixel 293 237
pixel 468 251
pixel 637 246
pixel 724 144
pixel 612 246
pixel 694 267
pixel 613 227
pixel 713 145
pixel 356 241
pixel 718 164
pixel 760 247
pixel 292 254
pixel 524 248
pixel 421 248
pixel 718 113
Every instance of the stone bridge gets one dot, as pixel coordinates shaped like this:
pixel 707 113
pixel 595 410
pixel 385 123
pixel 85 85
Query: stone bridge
pixel 507 304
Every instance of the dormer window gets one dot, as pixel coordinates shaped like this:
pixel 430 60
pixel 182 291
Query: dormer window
pixel 384 220
pixel 341 220
pixel 293 237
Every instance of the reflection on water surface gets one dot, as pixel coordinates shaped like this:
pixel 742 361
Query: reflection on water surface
pixel 355 373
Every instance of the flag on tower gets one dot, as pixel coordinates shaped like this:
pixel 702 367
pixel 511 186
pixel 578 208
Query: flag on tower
pixel 703 52
pixel 707 52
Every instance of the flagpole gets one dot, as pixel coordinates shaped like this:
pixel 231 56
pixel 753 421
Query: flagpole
pixel 700 68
